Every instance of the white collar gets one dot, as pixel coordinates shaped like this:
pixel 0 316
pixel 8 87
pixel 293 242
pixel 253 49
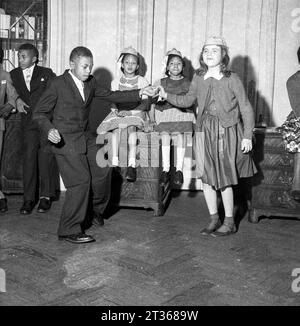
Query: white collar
pixel 215 75
pixel 29 70
pixel 76 79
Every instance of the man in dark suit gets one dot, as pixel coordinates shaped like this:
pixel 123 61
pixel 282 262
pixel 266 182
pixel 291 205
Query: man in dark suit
pixel 8 102
pixel 30 81
pixel 62 113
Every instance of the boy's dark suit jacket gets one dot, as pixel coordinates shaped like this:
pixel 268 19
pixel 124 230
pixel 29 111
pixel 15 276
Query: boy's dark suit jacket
pixel 39 82
pixel 36 147
pixel 62 107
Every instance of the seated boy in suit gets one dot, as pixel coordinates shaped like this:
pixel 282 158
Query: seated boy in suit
pixel 62 113
pixel 30 81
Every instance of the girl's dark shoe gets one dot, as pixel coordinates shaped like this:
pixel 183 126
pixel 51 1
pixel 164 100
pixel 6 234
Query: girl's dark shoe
pixel 3 205
pixel 164 177
pixel 225 229
pixel 178 178
pixel 212 227
pixel 131 174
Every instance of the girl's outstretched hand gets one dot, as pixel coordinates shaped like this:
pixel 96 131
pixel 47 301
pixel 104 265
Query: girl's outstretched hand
pixel 149 91
pixel 246 145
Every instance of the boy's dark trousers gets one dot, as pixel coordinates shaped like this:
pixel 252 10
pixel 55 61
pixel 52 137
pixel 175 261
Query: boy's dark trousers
pixel 81 176
pixel 38 163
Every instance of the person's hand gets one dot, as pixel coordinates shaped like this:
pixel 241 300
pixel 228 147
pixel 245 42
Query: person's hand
pixel 6 110
pixel 246 145
pixel 54 136
pixel 122 114
pixel 21 105
pixel 162 93
pixel 149 91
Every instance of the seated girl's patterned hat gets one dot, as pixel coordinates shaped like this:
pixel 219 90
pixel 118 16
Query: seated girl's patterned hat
pixel 215 40
pixel 128 50
pixel 166 57
pixel 174 52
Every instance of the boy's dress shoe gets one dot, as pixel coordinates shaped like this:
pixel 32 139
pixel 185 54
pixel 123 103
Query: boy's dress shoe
pixel 77 238
pixel 44 205
pixel 178 178
pixel 27 207
pixel 131 174
pixel 3 205
pixel 98 219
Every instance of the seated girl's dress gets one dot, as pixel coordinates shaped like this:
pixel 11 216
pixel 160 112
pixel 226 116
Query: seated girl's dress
pixel 222 161
pixel 171 119
pixel 290 131
pixel 125 115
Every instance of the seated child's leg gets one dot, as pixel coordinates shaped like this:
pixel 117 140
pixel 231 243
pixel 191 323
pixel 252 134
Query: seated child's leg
pixel 132 139
pixel 180 152
pixel 131 170
pixel 165 149
pixel 115 147
pixel 178 177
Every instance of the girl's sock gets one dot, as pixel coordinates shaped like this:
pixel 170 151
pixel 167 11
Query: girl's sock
pixel 131 162
pixel 115 161
pixel 228 221
pixel 165 158
pixel 180 158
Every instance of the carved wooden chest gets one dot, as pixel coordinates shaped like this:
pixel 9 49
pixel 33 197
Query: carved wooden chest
pixel 271 186
pixel 145 192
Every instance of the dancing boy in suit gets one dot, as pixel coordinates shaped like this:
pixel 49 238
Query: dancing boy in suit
pixel 62 114
pixel 30 81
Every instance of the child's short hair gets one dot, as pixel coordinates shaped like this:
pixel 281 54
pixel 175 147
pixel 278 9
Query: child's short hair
pixel 30 47
pixel 224 62
pixel 137 60
pixel 298 54
pixel 170 57
pixel 80 51
pixel 1 55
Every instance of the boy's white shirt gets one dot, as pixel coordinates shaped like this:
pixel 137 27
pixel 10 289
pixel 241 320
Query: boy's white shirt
pixel 79 84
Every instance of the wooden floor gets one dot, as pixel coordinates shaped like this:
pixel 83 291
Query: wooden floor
pixel 139 259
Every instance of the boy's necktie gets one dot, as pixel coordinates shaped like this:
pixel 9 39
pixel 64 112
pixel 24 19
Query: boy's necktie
pixel 27 78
